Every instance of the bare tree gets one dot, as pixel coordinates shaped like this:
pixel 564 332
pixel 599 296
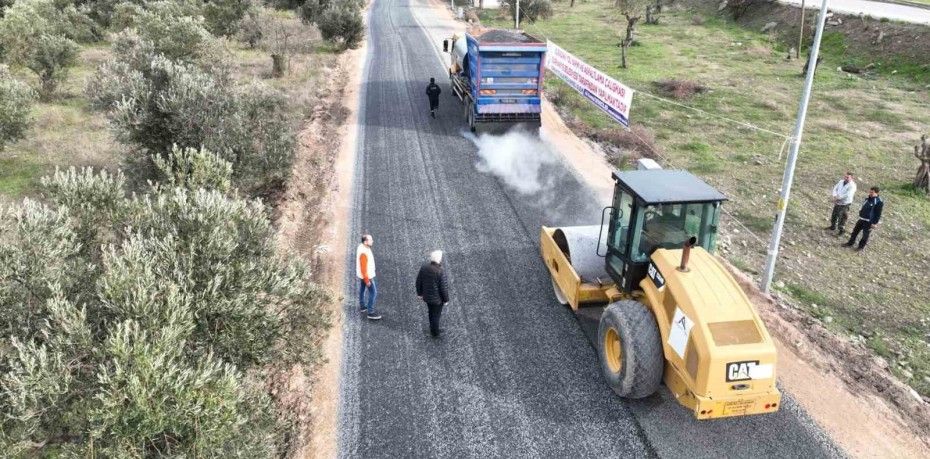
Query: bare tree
pixel 922 152
pixel 633 11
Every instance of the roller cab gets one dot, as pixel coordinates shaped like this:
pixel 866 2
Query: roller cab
pixel 658 304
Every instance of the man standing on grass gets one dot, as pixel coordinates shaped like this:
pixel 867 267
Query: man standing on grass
pixel 433 91
pixel 843 194
pixel 433 289
pixel 869 216
pixel 365 271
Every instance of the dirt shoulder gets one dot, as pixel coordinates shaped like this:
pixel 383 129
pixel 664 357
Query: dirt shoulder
pixel 314 221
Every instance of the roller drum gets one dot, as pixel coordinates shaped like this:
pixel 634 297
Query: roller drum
pixel 580 246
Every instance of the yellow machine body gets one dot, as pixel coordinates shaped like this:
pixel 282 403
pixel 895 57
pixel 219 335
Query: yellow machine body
pixel 719 358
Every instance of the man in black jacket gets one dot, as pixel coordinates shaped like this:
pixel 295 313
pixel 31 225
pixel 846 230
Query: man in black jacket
pixel 869 216
pixel 433 289
pixel 433 91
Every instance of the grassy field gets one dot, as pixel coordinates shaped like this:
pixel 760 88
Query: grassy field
pixel 866 124
pixel 67 132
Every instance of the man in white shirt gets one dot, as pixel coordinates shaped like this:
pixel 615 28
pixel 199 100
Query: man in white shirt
pixel 843 194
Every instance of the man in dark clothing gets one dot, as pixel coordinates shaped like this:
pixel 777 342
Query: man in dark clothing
pixel 433 91
pixel 433 289
pixel 869 216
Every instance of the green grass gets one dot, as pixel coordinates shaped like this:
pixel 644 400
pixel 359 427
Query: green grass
pixel 879 346
pixel 18 176
pixel 64 132
pixel 834 45
pixel 807 296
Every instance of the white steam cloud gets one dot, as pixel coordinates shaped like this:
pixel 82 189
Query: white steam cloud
pixel 517 158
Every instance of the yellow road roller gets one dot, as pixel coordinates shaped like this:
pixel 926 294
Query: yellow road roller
pixel 665 308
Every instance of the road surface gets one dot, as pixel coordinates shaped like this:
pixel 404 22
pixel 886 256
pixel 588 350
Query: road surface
pixel 515 376
pixel 893 11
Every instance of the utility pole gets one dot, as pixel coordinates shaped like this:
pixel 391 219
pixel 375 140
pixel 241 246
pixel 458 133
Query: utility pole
pixel 793 154
pixel 516 17
pixel 797 53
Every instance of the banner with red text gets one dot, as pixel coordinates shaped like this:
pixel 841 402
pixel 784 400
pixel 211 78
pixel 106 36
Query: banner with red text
pixel 607 93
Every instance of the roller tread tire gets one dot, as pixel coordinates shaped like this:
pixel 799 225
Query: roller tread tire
pixel 643 361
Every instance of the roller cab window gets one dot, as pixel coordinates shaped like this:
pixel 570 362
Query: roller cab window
pixel 670 225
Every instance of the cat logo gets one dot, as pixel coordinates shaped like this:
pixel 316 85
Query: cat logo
pixel 741 371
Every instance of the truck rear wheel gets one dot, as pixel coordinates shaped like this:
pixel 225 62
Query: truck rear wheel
pixel 630 349
pixel 471 117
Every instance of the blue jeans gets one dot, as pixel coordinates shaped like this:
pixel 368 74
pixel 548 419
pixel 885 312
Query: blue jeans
pixel 372 294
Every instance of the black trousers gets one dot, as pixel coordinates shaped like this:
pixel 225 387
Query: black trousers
pixel 838 218
pixel 433 104
pixel 435 312
pixel 861 225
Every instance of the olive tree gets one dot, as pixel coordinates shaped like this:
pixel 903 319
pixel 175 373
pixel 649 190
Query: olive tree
pixel 15 104
pixel 223 17
pixel 342 24
pixel 34 35
pixel 168 104
pixel 157 340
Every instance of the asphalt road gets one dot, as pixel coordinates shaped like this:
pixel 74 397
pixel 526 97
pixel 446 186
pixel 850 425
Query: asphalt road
pixel 515 375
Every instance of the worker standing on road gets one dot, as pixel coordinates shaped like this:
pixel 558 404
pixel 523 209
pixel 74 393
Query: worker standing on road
pixel 433 91
pixel 433 289
pixel 869 216
pixel 365 271
pixel 843 194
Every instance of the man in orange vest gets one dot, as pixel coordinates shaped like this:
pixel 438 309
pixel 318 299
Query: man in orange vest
pixel 365 271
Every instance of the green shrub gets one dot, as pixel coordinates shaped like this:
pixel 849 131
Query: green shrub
pixel 172 103
pixel 179 38
pixel 311 11
pixel 37 35
pixel 192 168
pixel 124 15
pixel 15 104
pixel 223 17
pixel 251 29
pixel 154 342
pixel 342 25
pixel 27 20
pixel 4 4
pixel 50 60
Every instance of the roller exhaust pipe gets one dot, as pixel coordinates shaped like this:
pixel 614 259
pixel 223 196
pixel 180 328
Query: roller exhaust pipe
pixel 686 253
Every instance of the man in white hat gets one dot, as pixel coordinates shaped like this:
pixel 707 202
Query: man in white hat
pixel 433 289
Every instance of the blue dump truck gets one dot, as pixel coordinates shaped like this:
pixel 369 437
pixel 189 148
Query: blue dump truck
pixel 498 76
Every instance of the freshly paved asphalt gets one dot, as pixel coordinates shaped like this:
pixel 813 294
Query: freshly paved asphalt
pixel 515 375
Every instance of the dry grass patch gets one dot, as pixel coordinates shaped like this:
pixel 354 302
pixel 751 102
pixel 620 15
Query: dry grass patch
pixel 680 89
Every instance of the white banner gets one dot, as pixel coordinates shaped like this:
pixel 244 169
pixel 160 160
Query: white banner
pixel 607 93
